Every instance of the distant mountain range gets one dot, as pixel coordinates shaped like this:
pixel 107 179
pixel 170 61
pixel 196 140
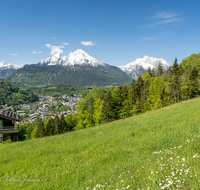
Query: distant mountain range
pixel 140 65
pixel 78 68
pixel 7 69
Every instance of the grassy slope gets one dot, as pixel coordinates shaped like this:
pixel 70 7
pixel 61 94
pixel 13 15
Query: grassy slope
pixel 115 155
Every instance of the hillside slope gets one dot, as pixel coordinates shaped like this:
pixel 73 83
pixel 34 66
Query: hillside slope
pixel 154 150
pixel 12 95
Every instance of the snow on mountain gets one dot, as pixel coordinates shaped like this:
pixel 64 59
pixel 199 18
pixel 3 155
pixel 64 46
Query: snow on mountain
pixel 9 66
pixel 78 57
pixel 140 65
pixel 7 69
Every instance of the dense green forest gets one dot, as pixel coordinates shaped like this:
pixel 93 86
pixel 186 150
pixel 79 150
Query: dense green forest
pixel 57 90
pixel 152 90
pixel 12 95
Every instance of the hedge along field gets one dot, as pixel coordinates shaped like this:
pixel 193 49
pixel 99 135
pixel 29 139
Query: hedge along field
pixel 154 150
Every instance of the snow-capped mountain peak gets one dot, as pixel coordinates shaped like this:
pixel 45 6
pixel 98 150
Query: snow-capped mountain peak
pixel 135 68
pixel 56 59
pixel 7 69
pixel 3 65
pixel 78 57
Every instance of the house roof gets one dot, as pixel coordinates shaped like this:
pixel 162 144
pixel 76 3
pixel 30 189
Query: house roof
pixel 9 115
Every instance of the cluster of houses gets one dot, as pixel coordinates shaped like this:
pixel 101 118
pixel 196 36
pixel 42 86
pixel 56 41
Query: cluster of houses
pixel 40 109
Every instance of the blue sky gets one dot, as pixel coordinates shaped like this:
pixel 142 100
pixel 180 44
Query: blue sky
pixel 112 31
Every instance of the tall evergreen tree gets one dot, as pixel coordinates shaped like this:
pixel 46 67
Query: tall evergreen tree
pixel 149 71
pixel 153 72
pixel 160 69
pixel 175 81
pixel 50 127
pixel 175 67
pixel 40 129
pixel 125 92
pixel 63 125
pixel 132 94
pixel 57 129
pixel 138 88
pixel 107 108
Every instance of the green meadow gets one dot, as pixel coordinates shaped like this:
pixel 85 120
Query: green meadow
pixel 154 150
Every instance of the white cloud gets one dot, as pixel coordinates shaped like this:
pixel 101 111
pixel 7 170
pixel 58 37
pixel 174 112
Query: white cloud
pixel 55 49
pixel 87 43
pixel 163 17
pixel 65 44
pixel 53 38
pixel 37 52
pixel 13 54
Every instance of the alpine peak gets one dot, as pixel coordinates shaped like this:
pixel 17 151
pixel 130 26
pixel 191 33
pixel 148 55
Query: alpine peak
pixel 135 68
pixel 78 57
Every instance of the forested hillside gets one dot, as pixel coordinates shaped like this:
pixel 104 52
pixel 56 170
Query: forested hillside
pixel 69 75
pixel 12 95
pixel 98 92
pixel 152 90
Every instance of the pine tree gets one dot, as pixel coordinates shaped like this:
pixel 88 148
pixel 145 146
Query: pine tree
pixel 175 67
pixel 107 108
pixel 50 127
pixel 132 94
pixel 138 88
pixel 149 71
pixel 175 81
pixel 160 69
pixel 125 92
pixel 40 129
pixel 153 72
pixel 57 129
pixel 63 125
pixel 119 99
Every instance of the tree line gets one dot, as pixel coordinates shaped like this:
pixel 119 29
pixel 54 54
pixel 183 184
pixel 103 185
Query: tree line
pixel 153 89
pixel 49 127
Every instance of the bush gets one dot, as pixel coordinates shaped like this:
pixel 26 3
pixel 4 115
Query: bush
pixel 7 141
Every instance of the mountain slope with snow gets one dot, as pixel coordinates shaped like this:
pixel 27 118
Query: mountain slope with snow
pixel 140 65
pixel 7 69
pixel 78 57
pixel 78 69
